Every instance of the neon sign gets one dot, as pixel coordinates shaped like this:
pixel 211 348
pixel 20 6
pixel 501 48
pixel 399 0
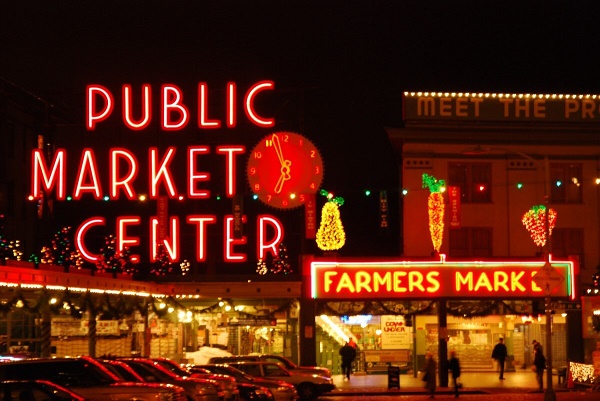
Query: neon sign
pixel 394 279
pixel 124 176
pixel 174 113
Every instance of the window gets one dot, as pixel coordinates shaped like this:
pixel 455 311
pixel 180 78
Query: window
pixel 567 242
pixel 565 183
pixel 471 242
pixel 473 179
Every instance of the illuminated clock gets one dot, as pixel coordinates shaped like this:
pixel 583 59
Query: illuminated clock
pixel 283 168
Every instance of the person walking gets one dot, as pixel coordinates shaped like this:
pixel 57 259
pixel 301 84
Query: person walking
pixel 539 363
pixel 429 376
pixel 348 353
pixel 537 345
pixel 454 368
pixel 499 354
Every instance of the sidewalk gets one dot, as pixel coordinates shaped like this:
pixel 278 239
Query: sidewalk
pixel 521 381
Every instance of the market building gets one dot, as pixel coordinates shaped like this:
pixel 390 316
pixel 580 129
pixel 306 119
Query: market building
pixel 484 178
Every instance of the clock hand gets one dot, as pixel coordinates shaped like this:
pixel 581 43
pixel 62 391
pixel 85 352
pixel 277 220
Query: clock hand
pixel 285 164
pixel 277 146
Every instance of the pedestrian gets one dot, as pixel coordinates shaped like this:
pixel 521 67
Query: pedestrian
pixel 348 353
pixel 539 363
pixel 537 345
pixel 429 375
pixel 352 343
pixel 499 354
pixel 454 368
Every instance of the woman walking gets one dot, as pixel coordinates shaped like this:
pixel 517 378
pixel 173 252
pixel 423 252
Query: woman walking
pixel 429 376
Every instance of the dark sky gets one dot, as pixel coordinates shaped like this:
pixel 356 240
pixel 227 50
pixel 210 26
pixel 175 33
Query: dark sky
pixel 340 67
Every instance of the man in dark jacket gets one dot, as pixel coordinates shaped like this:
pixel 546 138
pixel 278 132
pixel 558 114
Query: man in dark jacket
pixel 499 353
pixel 348 353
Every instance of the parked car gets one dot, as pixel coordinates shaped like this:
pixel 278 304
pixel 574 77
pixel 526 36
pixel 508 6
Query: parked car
pixel 196 389
pixel 288 364
pixel 281 390
pixel 88 378
pixel 291 366
pixel 36 390
pixel 228 384
pixel 309 386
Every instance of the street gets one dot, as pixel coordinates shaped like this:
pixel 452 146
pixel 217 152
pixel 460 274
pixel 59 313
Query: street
pixel 512 396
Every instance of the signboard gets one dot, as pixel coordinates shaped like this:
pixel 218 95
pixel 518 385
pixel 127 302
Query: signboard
pixel 454 200
pixel 259 321
pixel 547 278
pixel 310 217
pixel 394 333
pixel 427 280
pixel 113 172
pixel 478 107
pixel 378 360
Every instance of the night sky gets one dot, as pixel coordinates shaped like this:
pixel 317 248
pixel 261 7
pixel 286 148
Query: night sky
pixel 340 68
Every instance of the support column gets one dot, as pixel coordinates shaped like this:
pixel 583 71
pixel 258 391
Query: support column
pixel 147 337
pixel 442 343
pixel 308 333
pixel 45 334
pixel 92 336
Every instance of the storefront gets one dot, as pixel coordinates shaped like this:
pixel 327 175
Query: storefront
pixel 53 313
pixel 397 310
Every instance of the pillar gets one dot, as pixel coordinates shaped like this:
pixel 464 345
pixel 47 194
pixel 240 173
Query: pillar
pixel 45 334
pixel 442 343
pixel 92 336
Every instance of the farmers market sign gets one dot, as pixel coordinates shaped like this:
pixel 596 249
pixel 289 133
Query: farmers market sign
pixel 397 278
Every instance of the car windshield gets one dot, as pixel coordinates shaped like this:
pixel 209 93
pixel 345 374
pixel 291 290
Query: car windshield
pixel 229 371
pixel 173 368
pixel 124 372
pixel 150 373
pixel 278 359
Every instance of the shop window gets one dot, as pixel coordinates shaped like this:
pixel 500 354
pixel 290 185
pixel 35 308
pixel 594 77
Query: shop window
pixel 473 179
pixel 565 183
pixel 567 242
pixel 471 242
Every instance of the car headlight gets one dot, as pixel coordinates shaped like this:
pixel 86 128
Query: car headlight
pixel 206 389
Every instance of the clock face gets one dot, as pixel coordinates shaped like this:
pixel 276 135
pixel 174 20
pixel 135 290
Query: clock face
pixel 283 168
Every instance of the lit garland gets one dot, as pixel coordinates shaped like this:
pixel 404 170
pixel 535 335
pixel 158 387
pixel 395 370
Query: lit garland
pixel 261 267
pixel 185 267
pixel 435 204
pixel 535 222
pixel 109 260
pixel 162 263
pixel 582 373
pixel 61 252
pixel 331 235
pixel 8 249
pixel 281 263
